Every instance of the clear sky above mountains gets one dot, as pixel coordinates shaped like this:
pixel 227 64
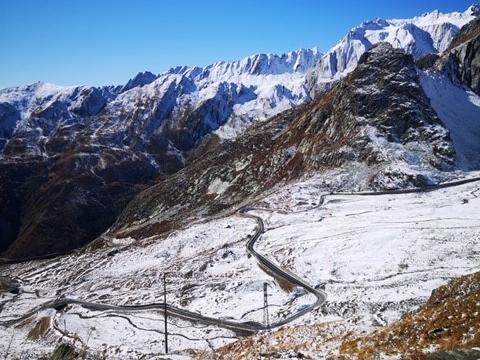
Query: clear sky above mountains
pixel 107 42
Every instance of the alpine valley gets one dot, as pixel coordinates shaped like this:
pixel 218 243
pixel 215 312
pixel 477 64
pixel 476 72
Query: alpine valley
pixel 347 181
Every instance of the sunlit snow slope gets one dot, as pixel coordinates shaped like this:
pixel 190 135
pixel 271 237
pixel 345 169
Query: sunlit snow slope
pixel 376 256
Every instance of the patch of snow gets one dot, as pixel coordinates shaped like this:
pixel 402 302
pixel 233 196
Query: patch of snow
pixel 459 110
pixel 218 186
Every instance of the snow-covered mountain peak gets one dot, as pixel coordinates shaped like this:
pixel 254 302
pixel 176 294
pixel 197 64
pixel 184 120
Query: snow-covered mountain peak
pixel 298 61
pixel 429 33
pixel 141 79
pixel 474 10
pixel 436 17
pixel 238 92
pixel 374 24
pixel 26 98
pixel 38 89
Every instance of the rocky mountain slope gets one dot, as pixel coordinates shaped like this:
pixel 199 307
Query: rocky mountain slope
pixel 462 60
pixel 451 81
pixel 447 321
pixel 378 117
pixel 73 157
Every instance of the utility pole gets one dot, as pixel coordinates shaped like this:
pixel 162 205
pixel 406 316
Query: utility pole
pixel 165 310
pixel 266 320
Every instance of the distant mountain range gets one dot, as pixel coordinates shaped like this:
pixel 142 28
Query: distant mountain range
pixel 72 158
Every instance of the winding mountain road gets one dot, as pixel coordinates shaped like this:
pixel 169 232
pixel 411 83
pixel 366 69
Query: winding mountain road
pixel 241 328
pixel 278 271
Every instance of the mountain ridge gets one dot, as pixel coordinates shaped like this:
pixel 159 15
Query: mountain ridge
pixel 303 61
pixel 89 151
pixel 361 120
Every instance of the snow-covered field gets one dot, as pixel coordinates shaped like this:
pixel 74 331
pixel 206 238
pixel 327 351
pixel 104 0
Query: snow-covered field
pixel 376 256
pixel 379 255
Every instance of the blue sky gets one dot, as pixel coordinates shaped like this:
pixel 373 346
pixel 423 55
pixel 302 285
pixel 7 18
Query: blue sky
pixel 99 42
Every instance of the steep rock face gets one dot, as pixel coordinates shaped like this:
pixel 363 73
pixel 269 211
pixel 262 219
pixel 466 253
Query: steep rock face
pixel 462 60
pixel 378 116
pixel 384 101
pixel 451 81
pixel 9 116
pixel 164 112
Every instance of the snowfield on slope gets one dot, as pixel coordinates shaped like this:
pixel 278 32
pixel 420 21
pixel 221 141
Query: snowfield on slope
pixel 376 256
pixel 459 109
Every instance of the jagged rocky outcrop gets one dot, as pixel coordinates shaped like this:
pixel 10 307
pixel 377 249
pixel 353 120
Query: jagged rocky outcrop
pixel 378 116
pixel 451 81
pixel 141 79
pixel 462 59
